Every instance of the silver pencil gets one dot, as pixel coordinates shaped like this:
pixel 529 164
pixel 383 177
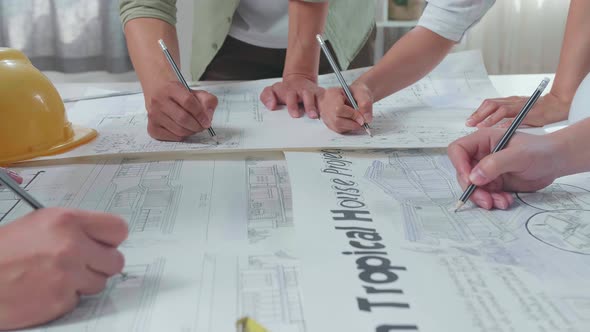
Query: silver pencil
pixel 182 80
pixel 338 74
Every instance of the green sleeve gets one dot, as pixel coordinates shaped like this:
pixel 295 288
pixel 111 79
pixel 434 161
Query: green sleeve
pixel 164 10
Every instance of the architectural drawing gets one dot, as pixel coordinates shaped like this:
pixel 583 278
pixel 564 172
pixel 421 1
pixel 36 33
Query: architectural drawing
pixel 566 230
pixel 262 286
pixel 381 219
pixel 137 292
pixel 269 196
pixel 404 120
pixel 425 186
pixel 233 198
pixel 558 196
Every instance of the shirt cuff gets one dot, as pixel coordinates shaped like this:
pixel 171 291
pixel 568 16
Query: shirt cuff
pixel 162 10
pixel 452 21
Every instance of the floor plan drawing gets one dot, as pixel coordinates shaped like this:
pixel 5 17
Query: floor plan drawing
pixel 567 230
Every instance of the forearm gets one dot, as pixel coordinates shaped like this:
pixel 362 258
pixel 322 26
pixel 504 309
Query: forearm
pixel 574 60
pixel 306 20
pixel 410 59
pixel 148 60
pixel 572 148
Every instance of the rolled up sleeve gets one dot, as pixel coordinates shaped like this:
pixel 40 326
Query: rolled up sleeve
pixel 452 18
pixel 164 10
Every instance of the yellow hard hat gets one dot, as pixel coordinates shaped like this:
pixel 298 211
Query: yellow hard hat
pixel 33 121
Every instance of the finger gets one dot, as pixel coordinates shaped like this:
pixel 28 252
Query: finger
pixel 209 102
pixel 172 117
pixel 506 124
pixel 501 113
pixel 482 198
pixel 103 259
pixel 293 104
pixel 462 153
pixel 91 282
pixel 343 125
pixel 161 133
pixel 13 175
pixel 268 98
pixel 500 201
pixel 182 122
pixel 105 228
pixel 487 107
pixel 187 101
pixel 309 104
pixel 494 165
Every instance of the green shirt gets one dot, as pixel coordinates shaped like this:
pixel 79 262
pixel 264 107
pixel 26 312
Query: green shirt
pixel 348 26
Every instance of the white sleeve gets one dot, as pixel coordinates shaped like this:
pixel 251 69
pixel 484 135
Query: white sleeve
pixel 452 18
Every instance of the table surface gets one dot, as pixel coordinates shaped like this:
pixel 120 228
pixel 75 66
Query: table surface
pixel 507 85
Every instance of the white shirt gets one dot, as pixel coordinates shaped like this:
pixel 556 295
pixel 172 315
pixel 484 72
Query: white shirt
pixel 263 23
pixel 452 18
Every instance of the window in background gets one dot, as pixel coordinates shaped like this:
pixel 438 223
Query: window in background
pixel 69 36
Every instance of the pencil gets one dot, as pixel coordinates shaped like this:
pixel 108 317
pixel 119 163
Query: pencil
pixel 507 135
pixel 338 74
pixel 20 192
pixel 182 80
pixel 25 196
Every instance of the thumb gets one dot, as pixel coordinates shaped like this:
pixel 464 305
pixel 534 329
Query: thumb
pixel 495 165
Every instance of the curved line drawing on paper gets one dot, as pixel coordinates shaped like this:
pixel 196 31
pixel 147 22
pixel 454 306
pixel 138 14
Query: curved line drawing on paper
pixel 566 230
pixel 557 196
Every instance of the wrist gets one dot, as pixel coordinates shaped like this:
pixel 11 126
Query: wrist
pixel 558 108
pixel 563 151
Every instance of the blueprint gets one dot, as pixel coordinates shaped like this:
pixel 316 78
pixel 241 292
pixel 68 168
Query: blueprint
pixel 430 113
pixel 209 241
pixel 401 261
pixel 242 198
pixel 162 291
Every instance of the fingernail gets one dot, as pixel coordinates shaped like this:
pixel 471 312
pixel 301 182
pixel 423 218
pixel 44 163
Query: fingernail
pixel 501 205
pixel 470 122
pixel 313 114
pixel 477 176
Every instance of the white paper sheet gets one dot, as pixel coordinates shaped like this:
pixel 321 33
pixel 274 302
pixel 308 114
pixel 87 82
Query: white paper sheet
pixel 431 113
pixel 242 198
pixel 384 253
pixel 209 241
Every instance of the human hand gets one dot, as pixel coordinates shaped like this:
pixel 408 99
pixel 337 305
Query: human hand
pixel 528 163
pixel 50 257
pixel 13 175
pixel 175 114
pixel 339 115
pixel 548 109
pixel 294 89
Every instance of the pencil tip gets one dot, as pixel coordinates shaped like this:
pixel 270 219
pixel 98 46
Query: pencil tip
pixel 458 206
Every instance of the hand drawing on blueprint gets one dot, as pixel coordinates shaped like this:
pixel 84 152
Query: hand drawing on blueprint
pixel 469 271
pixel 430 113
